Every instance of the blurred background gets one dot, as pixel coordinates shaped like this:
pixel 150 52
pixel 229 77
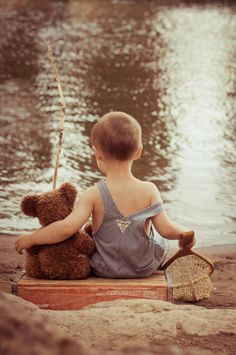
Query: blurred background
pixel 170 64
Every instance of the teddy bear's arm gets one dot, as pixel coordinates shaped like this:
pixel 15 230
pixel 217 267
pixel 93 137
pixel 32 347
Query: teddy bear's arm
pixel 84 244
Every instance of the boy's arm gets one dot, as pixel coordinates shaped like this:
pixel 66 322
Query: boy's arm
pixel 171 230
pixel 167 228
pixel 60 230
pixel 163 224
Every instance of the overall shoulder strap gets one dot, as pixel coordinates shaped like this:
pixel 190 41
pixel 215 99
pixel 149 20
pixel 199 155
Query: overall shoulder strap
pixel 109 204
pixel 149 212
pixel 154 209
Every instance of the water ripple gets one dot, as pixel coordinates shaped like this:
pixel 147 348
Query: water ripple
pixel 171 66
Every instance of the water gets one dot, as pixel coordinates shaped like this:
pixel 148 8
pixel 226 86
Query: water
pixel 170 64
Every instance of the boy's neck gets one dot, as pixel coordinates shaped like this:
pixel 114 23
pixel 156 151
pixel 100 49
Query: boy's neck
pixel 119 170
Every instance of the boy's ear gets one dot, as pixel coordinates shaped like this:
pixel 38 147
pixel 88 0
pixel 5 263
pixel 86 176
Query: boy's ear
pixel 29 205
pixel 69 192
pixel 138 152
pixel 98 153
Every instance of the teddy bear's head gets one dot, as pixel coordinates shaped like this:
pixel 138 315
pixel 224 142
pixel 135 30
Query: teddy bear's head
pixel 50 206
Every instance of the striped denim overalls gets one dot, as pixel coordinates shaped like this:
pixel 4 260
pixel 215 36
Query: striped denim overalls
pixel 123 249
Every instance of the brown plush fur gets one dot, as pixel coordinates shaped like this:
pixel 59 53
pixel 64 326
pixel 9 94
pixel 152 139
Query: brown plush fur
pixel 64 260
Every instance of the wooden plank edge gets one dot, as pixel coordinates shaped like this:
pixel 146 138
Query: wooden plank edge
pixel 27 282
pixel 91 286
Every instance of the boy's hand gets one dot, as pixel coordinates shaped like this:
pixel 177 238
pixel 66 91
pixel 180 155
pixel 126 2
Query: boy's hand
pixel 187 240
pixel 23 242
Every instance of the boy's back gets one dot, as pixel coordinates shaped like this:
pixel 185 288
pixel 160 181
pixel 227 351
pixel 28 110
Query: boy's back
pixel 129 195
pixel 123 247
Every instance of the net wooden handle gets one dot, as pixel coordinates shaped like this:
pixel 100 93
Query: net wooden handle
pixel 185 251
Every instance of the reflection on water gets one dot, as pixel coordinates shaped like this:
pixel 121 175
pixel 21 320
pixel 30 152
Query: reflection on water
pixel 172 67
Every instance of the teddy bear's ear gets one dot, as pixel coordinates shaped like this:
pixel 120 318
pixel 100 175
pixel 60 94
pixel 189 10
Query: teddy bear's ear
pixel 29 205
pixel 69 192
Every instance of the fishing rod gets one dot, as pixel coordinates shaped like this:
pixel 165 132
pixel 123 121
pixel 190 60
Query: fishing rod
pixel 62 111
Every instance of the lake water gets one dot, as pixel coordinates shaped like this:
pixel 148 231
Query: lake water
pixel 170 64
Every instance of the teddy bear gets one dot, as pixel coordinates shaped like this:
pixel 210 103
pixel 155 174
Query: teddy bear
pixel 64 260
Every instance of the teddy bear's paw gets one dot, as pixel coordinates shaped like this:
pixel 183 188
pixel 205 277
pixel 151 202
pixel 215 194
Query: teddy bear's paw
pixel 84 244
pixel 88 229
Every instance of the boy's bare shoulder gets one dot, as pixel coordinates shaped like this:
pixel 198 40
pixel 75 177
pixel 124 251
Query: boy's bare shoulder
pixel 91 189
pixel 91 194
pixel 149 185
pixel 153 191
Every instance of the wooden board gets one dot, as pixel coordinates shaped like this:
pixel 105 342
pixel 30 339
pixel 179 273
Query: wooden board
pixel 75 294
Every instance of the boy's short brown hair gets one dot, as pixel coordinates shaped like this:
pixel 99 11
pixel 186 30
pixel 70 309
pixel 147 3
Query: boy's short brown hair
pixel 117 134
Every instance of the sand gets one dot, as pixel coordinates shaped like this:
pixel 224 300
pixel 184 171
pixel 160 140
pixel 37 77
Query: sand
pixel 122 326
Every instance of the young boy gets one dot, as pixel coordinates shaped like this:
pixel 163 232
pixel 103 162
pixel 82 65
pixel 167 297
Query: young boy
pixel 128 218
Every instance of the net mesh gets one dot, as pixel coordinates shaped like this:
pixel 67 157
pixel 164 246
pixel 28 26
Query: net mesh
pixel 190 278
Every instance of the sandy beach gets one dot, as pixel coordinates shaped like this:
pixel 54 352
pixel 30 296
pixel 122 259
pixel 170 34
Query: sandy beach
pixel 122 326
